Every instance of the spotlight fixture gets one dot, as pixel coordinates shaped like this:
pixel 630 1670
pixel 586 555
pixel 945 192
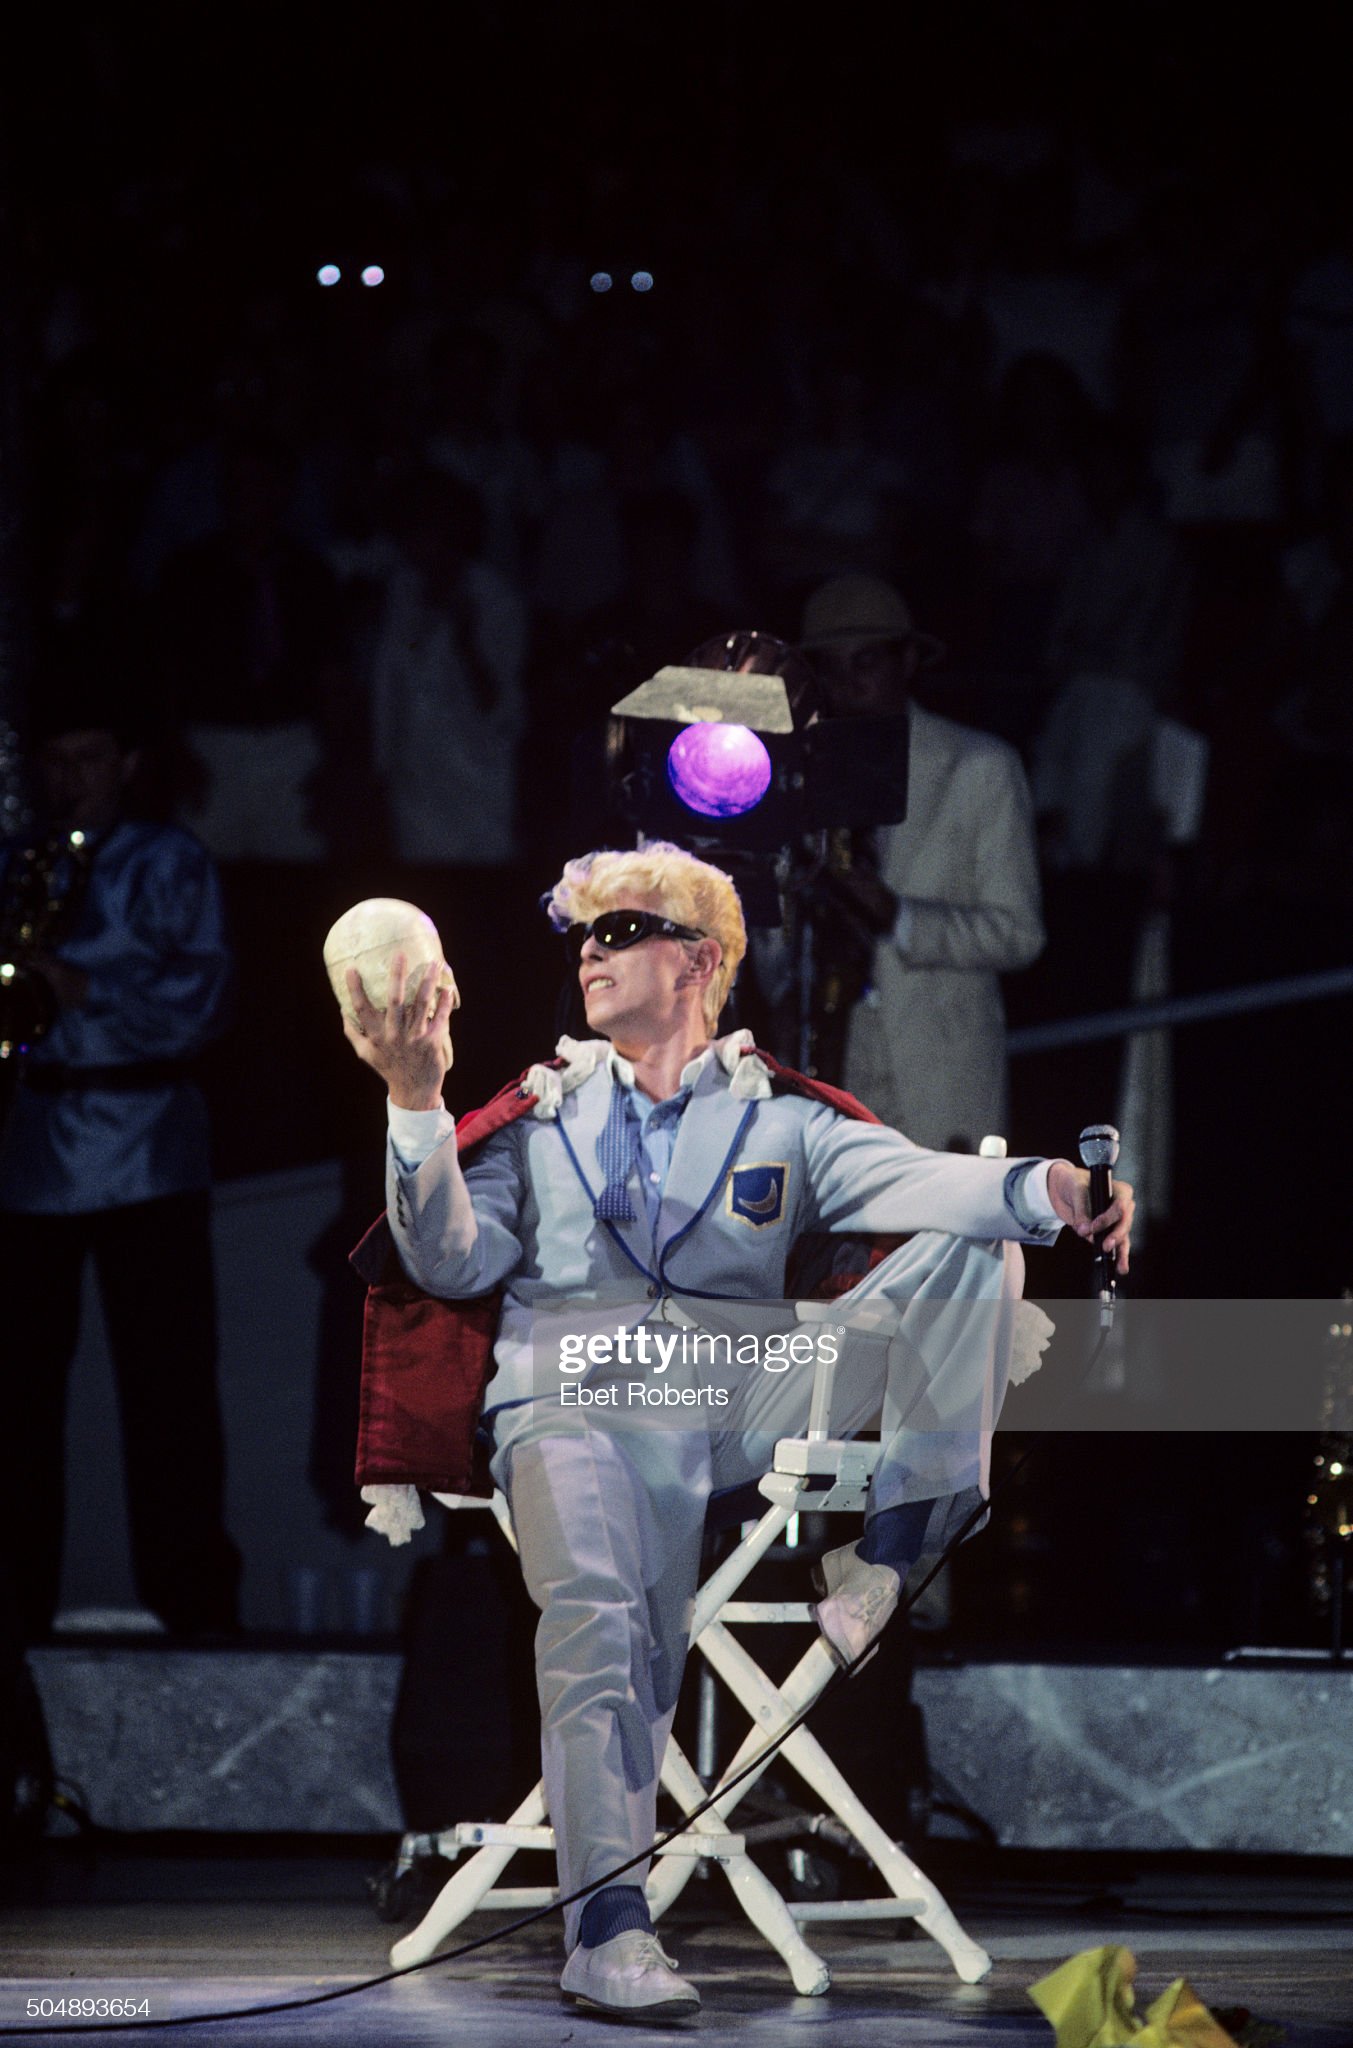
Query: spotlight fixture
pixel 328 274
pixel 737 735
pixel 719 771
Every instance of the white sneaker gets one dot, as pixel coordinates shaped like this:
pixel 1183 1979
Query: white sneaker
pixel 861 1601
pixel 629 1974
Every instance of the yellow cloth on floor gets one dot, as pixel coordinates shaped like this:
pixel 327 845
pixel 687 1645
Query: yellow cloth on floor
pixel 1091 2004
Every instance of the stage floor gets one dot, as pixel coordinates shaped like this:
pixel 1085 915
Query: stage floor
pixel 194 1933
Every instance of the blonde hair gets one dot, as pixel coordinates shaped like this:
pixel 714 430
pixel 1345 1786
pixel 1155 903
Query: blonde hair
pixel 690 891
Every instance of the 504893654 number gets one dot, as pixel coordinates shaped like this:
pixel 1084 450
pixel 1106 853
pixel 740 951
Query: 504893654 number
pixel 74 2007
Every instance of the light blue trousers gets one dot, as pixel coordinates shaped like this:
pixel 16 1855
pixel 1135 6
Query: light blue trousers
pixel 610 1520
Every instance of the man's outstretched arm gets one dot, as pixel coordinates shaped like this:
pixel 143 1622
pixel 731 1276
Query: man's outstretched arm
pixel 868 1177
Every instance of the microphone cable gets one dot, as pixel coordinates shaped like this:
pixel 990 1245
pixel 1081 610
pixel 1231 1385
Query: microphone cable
pixel 654 1848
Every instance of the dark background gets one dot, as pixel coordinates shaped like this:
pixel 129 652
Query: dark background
pixel 868 210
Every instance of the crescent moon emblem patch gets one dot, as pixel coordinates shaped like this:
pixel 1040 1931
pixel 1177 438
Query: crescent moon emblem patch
pixel 756 1194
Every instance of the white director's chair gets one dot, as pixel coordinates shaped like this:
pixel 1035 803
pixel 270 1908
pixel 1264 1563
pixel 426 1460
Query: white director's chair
pixel 816 1474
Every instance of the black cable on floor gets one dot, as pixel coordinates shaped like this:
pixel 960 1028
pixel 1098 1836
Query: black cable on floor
pixel 455 1955
pixel 249 2012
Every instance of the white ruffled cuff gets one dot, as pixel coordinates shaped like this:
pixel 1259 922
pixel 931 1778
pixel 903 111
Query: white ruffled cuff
pixel 1032 1334
pixel 396 1512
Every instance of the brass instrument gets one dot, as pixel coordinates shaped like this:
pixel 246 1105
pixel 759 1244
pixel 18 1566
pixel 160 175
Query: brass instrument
pixel 41 892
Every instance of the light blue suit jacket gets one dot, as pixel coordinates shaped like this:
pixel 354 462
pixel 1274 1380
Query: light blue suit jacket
pixel 520 1217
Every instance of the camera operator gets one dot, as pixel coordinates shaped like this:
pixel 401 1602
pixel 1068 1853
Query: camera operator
pixel 949 900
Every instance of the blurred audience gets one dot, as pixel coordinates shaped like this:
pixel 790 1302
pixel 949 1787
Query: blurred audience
pixel 1079 397
pixel 447 703
pixel 471 439
pixel 1030 511
pixel 1081 389
pixel 247 622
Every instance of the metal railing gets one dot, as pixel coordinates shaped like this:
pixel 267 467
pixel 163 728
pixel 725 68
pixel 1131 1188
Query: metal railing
pixel 1203 1009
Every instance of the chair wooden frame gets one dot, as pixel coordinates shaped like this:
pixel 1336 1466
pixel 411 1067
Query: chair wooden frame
pixel 813 1473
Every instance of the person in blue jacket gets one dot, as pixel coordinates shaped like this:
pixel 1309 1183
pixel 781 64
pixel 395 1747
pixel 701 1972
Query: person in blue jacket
pixel 113 925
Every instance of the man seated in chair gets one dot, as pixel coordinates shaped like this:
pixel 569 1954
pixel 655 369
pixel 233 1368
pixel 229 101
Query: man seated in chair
pixel 661 1177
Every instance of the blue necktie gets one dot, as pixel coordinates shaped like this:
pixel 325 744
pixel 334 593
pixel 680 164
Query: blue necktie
pixel 616 1148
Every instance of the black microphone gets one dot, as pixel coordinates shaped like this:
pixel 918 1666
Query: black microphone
pixel 1099 1151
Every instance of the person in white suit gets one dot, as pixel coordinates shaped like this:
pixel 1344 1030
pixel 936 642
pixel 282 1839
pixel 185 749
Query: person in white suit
pixel 656 1184
pixel 952 896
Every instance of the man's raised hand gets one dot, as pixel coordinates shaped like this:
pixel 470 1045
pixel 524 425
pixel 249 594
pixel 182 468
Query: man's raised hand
pixel 409 1043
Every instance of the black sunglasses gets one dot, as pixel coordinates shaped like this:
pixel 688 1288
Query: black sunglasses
pixel 617 929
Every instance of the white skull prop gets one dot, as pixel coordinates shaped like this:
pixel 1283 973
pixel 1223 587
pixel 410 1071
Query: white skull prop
pixel 369 936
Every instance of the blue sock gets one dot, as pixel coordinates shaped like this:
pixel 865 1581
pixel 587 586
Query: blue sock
pixel 615 1910
pixel 895 1535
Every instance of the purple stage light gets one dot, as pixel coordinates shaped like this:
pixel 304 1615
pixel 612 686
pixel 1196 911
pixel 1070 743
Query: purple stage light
pixel 718 770
pixel 328 274
pixel 373 274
